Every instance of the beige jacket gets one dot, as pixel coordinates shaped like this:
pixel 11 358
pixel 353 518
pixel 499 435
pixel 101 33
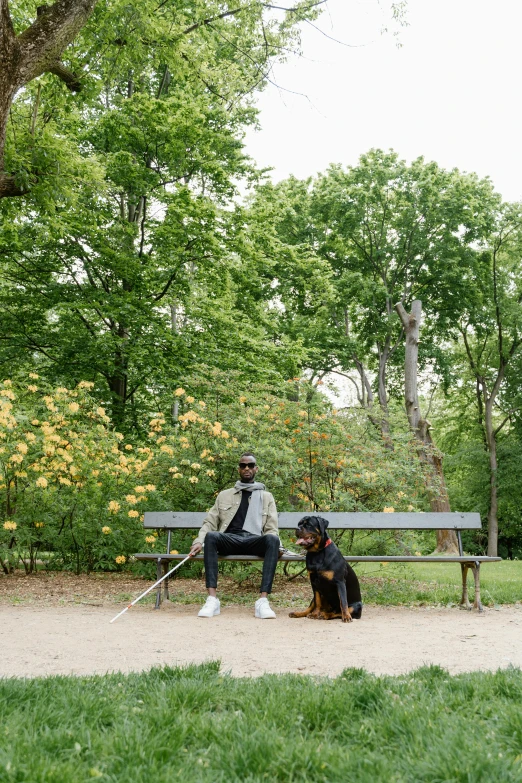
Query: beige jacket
pixel 227 503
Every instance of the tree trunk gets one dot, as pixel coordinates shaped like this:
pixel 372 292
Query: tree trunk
pixel 439 501
pixel 493 466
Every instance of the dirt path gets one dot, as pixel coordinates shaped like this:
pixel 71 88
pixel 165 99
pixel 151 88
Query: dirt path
pixel 48 639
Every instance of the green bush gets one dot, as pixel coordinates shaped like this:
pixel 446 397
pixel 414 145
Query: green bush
pixel 73 491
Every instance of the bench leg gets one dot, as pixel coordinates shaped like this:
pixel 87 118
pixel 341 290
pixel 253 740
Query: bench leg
pixel 166 582
pixel 476 573
pixel 159 569
pixel 464 601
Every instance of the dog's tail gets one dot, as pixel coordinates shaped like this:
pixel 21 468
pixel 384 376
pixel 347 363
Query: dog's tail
pixel 356 610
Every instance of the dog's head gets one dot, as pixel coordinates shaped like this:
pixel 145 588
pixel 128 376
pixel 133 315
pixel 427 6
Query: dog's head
pixel 311 533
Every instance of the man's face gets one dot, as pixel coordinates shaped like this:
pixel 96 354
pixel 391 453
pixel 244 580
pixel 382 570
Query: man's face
pixel 247 469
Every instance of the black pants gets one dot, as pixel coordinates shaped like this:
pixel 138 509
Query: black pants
pixel 241 543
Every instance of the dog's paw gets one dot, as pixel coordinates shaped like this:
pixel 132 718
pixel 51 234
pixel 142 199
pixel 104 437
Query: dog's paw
pixel 347 619
pixel 292 614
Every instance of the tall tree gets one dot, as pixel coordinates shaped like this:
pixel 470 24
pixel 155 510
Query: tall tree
pixel 420 426
pixel 144 222
pixel 394 232
pixel 491 331
pixel 114 35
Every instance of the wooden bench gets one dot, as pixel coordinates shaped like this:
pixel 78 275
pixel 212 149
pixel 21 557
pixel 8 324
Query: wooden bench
pixel 173 521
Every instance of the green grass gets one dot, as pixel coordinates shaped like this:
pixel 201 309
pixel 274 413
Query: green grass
pixel 390 584
pixel 199 726
pixel 438 583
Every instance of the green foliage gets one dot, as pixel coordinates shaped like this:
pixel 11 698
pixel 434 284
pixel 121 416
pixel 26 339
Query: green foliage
pixel 199 725
pixel 73 491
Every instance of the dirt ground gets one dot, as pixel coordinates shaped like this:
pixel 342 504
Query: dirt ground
pixel 59 624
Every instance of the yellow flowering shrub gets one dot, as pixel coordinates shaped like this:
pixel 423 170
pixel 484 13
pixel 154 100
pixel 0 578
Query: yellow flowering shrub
pixel 69 484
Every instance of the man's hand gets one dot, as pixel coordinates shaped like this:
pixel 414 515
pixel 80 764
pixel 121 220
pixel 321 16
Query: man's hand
pixel 195 549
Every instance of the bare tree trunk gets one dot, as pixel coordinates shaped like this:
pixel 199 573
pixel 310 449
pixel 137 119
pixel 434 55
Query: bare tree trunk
pixel 439 501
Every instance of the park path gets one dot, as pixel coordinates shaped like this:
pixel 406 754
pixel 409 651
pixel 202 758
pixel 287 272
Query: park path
pixel 47 640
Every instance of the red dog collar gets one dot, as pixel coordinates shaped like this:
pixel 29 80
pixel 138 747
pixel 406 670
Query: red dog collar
pixel 328 542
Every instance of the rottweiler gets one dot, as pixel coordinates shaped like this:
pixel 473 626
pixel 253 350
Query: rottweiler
pixel 334 582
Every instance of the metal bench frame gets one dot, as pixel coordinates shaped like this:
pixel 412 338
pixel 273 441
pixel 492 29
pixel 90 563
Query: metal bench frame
pixel 172 521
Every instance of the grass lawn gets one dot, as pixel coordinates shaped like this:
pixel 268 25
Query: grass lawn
pixel 439 583
pixel 196 725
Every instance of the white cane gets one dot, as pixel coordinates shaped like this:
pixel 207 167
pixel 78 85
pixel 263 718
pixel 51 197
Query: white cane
pixel 151 588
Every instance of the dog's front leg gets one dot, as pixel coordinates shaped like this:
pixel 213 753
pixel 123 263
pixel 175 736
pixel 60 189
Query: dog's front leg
pixel 306 611
pixel 343 600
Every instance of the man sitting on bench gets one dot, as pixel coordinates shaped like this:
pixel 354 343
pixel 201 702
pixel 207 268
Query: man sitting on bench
pixel 242 521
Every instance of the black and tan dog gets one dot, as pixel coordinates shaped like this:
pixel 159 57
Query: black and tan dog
pixel 334 582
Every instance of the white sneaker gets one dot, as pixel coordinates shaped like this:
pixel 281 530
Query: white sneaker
pixel 263 609
pixel 211 607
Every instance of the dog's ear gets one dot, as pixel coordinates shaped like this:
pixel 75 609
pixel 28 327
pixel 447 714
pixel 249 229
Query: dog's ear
pixel 323 524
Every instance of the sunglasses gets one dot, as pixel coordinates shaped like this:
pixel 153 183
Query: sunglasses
pixel 243 465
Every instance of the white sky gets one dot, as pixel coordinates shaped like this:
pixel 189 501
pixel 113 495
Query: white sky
pixel 451 93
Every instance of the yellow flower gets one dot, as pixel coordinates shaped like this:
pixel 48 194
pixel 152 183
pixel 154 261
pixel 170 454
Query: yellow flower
pixel 210 472
pixel 174 552
pixel 177 475
pixel 225 434
pixel 242 399
pixel 120 559
pixel 95 472
pixel 411 508
pixel 30 436
pixel 61 390
pixel 195 466
pixel 41 482
pixel 388 509
pixel 85 385
pixel 189 398
pixel 106 530
pixel 179 392
pixel 17 458
pixel 65 481
pixel 202 404
pixel 150 539
pixel 73 407
pixel 32 387
pixel 33 375
pixel 139 489
pixel 167 449
pixel 35 422
pixel 193 479
pixel 302 413
pixel 128 447
pixel 9 525
pixel 38 524
pixel 150 487
pixel 133 513
pixel 114 506
pixel 131 499
pixel 100 411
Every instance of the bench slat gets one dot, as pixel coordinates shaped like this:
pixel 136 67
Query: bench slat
pixel 348 558
pixel 356 520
